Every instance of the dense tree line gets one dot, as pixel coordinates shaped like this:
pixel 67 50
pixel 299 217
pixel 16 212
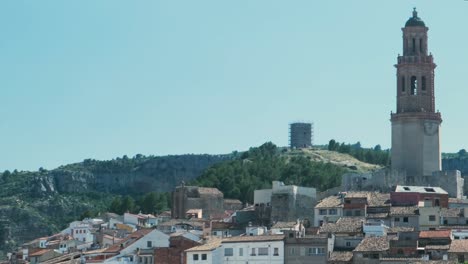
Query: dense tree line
pixel 150 203
pixel 258 167
pixel 370 155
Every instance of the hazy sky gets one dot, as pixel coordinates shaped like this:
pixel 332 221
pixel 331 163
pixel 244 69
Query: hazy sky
pixel 103 78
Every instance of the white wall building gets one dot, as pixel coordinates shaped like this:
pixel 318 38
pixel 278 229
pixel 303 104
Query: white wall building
pixel 253 249
pixel 209 253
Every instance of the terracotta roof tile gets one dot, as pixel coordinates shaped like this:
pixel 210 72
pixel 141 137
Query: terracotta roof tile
pixel 40 252
pixel 435 234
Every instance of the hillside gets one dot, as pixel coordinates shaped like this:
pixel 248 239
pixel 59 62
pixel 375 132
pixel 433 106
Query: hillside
pixel 33 204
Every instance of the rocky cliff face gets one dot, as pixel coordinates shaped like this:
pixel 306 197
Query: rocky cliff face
pixel 34 204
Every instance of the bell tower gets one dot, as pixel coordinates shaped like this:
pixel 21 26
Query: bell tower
pixel 416 124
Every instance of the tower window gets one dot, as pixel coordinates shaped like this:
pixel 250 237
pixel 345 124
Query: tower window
pixel 403 86
pixel 414 85
pixel 423 83
pixel 420 45
pixel 414 45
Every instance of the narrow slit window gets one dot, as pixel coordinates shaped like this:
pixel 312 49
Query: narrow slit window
pixel 423 83
pixel 421 45
pixel 403 87
pixel 414 85
pixel 414 45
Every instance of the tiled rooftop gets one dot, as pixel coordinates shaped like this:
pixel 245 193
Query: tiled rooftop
pixel 373 244
pixel 132 238
pixel 253 238
pixel 343 225
pixel 210 245
pixel 459 246
pixel 284 225
pixel 435 234
pixel 341 256
pixel 459 201
pixel 40 252
pixel 377 215
pixel 403 210
pixel 378 199
pixel 205 190
pixel 232 201
pixel 331 201
pixel 437 247
pixel 451 212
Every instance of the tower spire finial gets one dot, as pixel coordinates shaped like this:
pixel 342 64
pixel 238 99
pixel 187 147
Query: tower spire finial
pixel 415 13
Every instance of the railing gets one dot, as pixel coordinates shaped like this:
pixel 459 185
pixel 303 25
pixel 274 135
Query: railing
pixel 416 59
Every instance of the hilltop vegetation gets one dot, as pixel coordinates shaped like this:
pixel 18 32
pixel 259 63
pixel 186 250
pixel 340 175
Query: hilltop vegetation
pixel 258 167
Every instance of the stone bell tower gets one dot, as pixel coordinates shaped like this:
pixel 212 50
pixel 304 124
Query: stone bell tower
pixel 416 124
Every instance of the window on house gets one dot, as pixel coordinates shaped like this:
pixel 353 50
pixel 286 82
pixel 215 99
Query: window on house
pixel 322 211
pixel 349 213
pixel 320 251
pixel 241 252
pixel 253 252
pixel 357 213
pixel 445 222
pixel 348 244
pixel 403 86
pixel 423 83
pixel 436 202
pixel 275 251
pixel 149 244
pixel 432 218
pixel 397 219
pixel 203 256
pixel 405 219
pixel 456 237
pixel 310 251
pixel 374 256
pixel 414 85
pixel 461 258
pixel 414 45
pixel 263 251
pixel 332 212
pixel 228 252
pixel 400 252
pixel 195 256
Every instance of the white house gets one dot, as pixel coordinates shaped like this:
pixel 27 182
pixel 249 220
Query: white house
pixel 208 253
pixel 128 250
pixel 253 249
pixel 328 210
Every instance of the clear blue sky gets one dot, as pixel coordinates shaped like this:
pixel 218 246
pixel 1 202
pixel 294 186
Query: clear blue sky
pixel 100 79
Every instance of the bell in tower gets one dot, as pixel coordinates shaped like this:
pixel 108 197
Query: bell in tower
pixel 416 124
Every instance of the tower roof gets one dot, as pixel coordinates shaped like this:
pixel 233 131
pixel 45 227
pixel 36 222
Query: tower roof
pixel 415 21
